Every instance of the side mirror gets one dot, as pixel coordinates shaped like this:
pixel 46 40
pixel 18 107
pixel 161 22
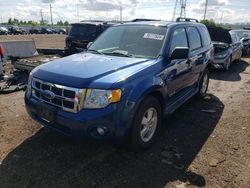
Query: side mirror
pixel 180 53
pixel 89 44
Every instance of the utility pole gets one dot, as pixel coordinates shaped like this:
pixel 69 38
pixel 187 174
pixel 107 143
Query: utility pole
pixel 205 13
pixel 51 17
pixel 179 9
pixel 121 13
pixel 77 11
pixel 175 7
pixel 41 13
pixel 183 8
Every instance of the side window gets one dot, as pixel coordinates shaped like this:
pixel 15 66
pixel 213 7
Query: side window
pixel 194 38
pixel 205 36
pixel 179 39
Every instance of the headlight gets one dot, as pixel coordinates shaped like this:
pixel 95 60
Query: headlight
pixel 29 82
pixel 96 98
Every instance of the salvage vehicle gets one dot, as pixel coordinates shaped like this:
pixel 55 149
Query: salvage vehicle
pixel 124 83
pixel 34 31
pixel 82 33
pixel 243 36
pixel 4 31
pixel 15 30
pixel 46 31
pixel 226 48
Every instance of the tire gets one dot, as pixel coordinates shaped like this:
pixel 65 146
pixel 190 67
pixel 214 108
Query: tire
pixel 203 84
pixel 227 64
pixel 150 127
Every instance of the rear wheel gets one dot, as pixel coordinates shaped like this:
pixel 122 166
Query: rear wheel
pixel 146 124
pixel 203 85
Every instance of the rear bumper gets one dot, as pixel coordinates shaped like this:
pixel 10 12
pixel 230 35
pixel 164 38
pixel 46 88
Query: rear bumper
pixel 84 124
pixel 219 63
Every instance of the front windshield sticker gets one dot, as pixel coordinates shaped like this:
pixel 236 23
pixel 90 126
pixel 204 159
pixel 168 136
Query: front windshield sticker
pixel 153 36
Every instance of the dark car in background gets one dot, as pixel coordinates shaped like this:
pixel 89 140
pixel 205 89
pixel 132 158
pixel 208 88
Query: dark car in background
pixel 15 30
pixel 4 31
pixel 62 31
pixel 46 31
pixel 34 31
pixel 82 33
pixel 243 36
pixel 226 48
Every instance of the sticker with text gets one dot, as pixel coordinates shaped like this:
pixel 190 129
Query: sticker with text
pixel 153 36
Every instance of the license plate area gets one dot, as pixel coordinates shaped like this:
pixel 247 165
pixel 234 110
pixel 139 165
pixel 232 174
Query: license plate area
pixel 46 112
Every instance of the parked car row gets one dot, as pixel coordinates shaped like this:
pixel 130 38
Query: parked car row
pixel 15 30
pixel 228 46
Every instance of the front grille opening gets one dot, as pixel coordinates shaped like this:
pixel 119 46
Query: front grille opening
pixel 68 104
pixel 57 91
pixel 69 94
pixel 45 87
pixel 57 102
pixel 37 94
pixel 38 85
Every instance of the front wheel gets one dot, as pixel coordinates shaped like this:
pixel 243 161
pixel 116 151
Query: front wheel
pixel 203 85
pixel 146 124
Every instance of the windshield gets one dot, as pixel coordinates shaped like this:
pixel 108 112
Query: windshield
pixel 131 41
pixel 241 34
pixel 84 30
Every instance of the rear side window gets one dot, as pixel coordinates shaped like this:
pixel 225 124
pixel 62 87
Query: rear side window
pixel 205 36
pixel 179 39
pixel 194 38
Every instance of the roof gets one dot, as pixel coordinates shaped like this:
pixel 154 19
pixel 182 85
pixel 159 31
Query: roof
pixel 160 23
pixel 92 23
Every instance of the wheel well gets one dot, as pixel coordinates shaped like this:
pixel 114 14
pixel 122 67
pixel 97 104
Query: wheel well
pixel 158 95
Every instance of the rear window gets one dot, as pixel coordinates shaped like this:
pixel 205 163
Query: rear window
pixel 87 31
pixel 205 36
pixel 194 38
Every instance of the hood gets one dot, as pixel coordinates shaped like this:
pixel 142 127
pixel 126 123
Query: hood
pixel 220 35
pixel 85 69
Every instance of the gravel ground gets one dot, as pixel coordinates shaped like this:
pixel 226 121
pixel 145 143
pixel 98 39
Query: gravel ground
pixel 42 41
pixel 206 143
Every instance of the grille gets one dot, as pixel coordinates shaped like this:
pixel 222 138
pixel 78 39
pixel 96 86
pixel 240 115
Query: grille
pixel 61 96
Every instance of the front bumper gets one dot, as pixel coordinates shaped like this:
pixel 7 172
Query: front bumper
pixel 112 120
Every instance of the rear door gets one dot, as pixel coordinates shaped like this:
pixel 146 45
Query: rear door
pixel 196 56
pixel 179 70
pixel 236 47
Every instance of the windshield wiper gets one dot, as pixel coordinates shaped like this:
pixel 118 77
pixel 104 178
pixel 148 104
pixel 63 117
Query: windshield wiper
pixel 118 54
pixel 96 51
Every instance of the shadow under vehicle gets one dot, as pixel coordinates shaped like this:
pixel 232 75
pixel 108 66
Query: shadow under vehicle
pixel 227 48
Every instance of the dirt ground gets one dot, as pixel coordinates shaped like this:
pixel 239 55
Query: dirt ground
pixel 206 143
pixel 41 41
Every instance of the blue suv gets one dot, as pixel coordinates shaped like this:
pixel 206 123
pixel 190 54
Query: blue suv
pixel 125 82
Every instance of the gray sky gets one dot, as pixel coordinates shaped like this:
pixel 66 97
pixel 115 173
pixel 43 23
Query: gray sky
pixel 229 11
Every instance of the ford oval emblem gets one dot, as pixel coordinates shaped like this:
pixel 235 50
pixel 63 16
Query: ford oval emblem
pixel 49 94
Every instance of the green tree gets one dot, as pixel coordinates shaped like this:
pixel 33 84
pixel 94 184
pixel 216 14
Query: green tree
pixel 210 22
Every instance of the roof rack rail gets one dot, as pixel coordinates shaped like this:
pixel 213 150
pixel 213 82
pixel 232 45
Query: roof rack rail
pixel 143 19
pixel 187 20
pixel 92 21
